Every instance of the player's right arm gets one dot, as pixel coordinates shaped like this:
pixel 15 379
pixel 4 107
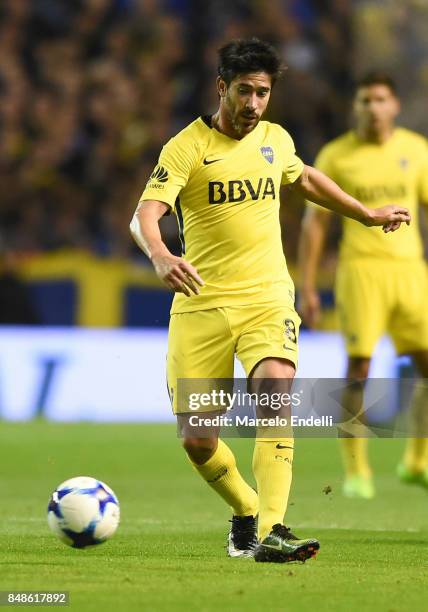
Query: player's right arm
pixel 311 243
pixel 177 274
pixel 177 159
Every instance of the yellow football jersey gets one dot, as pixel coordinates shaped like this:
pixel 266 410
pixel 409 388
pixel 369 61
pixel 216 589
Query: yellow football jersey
pixel 395 172
pixel 225 193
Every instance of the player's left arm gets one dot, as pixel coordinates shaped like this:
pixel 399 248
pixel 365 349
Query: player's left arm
pixel 317 187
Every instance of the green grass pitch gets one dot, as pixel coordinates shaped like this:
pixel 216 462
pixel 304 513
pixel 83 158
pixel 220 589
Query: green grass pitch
pixel 168 553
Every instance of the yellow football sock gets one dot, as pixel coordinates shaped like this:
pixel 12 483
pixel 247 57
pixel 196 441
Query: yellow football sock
pixel 354 448
pixel 416 452
pixel 272 467
pixel 222 475
pixel 355 456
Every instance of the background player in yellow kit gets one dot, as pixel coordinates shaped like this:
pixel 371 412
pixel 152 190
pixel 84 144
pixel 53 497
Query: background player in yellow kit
pixel 221 175
pixel 381 283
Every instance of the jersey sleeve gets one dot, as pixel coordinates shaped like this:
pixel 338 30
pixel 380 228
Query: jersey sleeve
pixel 293 165
pixel 176 161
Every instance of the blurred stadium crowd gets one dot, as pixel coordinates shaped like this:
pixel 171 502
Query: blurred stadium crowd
pixel 91 89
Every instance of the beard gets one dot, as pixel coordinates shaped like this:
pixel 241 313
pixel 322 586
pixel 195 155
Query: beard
pixel 243 125
pixel 242 122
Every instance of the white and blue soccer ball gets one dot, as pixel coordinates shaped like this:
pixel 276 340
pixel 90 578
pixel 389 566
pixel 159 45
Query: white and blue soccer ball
pixel 83 511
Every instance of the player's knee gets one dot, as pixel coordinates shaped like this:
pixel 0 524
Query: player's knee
pixel 358 368
pixel 420 360
pixel 200 449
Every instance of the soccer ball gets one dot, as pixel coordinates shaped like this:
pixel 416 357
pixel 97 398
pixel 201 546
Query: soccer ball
pixel 83 511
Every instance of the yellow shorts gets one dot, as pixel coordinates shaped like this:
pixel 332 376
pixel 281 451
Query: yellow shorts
pixel 375 297
pixel 202 344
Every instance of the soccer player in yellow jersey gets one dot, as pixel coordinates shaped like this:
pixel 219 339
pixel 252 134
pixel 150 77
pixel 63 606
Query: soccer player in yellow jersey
pixel 381 283
pixel 221 176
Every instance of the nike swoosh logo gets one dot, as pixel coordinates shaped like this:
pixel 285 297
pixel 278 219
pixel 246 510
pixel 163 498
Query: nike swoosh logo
pixel 211 161
pixel 282 446
pixel 274 546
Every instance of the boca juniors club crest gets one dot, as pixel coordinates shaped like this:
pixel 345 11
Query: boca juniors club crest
pixel 267 153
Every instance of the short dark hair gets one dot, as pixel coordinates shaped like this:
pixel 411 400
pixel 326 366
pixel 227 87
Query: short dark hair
pixel 377 77
pixel 242 56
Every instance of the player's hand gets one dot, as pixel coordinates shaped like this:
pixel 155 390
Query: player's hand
pixel 389 217
pixel 177 273
pixel 309 307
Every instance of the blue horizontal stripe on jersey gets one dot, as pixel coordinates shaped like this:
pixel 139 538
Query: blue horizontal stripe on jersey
pixel 180 225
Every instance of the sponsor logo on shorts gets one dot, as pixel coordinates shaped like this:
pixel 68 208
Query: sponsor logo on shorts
pixel 290 333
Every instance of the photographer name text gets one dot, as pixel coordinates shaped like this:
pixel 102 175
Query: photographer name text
pixel 248 421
